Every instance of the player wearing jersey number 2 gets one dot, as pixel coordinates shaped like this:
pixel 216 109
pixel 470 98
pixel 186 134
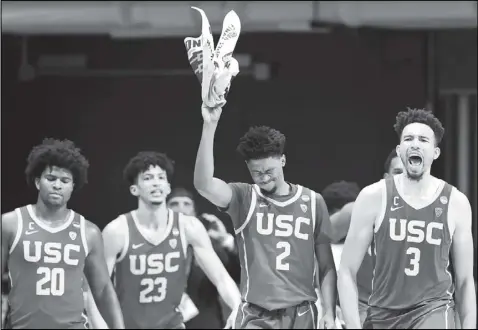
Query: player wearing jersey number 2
pixel 281 228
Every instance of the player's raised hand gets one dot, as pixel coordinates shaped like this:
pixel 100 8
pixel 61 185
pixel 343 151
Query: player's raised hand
pixel 211 115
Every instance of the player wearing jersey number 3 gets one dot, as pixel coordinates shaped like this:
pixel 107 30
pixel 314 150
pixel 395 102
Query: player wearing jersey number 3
pixel 418 222
pixel 281 228
pixel 49 247
pixel 147 250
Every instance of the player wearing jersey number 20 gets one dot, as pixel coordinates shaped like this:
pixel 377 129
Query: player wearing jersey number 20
pixel 49 248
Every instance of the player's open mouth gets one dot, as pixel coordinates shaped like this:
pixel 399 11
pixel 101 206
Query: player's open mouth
pixel 415 160
pixel 156 192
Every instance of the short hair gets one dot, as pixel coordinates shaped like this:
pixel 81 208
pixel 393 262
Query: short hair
pixel 388 161
pixel 261 142
pixel 180 192
pixel 422 116
pixel 337 194
pixel 143 161
pixel 60 153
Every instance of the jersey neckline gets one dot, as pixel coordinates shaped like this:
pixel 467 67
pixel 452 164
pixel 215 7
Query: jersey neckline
pixel 280 203
pixel 46 227
pixel 429 202
pixel 166 232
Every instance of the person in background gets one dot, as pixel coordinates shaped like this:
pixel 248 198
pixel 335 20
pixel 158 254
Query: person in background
pixel 212 310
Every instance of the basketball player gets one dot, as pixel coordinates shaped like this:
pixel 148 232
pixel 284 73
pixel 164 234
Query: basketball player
pixel 48 247
pixel 340 198
pixel 414 219
pixel 280 229
pixel 147 250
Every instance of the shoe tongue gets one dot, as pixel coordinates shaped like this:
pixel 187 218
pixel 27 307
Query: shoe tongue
pixel 208 63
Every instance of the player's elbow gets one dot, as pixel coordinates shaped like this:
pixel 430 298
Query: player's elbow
pixel 201 183
pixel 345 274
pixel 465 283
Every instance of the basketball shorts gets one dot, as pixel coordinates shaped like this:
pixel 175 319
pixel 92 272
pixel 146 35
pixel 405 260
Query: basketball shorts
pixel 441 317
pixel 362 311
pixel 302 316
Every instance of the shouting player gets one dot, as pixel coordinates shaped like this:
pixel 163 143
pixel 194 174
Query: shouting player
pixel 279 229
pixel 415 220
pixel 147 250
pixel 48 247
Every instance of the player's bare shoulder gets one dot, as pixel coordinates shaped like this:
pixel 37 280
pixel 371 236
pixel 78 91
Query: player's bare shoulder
pixel 10 225
pixel 116 231
pixel 370 202
pixel 194 230
pixel 459 210
pixel 92 235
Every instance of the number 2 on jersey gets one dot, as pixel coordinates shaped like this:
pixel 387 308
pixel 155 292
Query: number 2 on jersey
pixel 56 279
pixel 280 264
pixel 414 267
pixel 159 283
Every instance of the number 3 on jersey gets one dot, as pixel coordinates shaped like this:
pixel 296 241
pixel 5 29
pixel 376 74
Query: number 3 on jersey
pixel 159 283
pixel 56 279
pixel 414 267
pixel 280 264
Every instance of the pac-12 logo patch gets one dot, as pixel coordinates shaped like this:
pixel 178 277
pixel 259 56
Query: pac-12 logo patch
pixel 72 235
pixel 173 243
pixel 438 211
pixel 303 207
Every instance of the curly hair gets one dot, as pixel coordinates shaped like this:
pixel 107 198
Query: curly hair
pixel 422 116
pixel 337 194
pixel 60 153
pixel 388 161
pixel 143 160
pixel 261 142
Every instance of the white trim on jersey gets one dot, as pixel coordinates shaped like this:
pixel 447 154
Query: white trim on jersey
pixel 83 234
pixel 165 234
pixel 182 234
pixel 383 206
pixel 126 239
pixel 451 221
pixel 281 204
pixel 44 226
pixel 19 230
pixel 313 207
pixel 249 214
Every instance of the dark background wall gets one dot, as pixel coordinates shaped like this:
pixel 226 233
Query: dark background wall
pixel 335 96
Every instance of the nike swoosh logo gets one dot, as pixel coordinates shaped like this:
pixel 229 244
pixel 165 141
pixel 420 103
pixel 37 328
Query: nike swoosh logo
pixel 300 314
pixel 395 208
pixel 135 246
pixel 28 232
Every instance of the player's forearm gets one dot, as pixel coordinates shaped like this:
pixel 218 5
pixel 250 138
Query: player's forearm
pixel 466 301
pixel 94 317
pixel 109 307
pixel 328 288
pixel 204 168
pixel 347 287
pixel 229 292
